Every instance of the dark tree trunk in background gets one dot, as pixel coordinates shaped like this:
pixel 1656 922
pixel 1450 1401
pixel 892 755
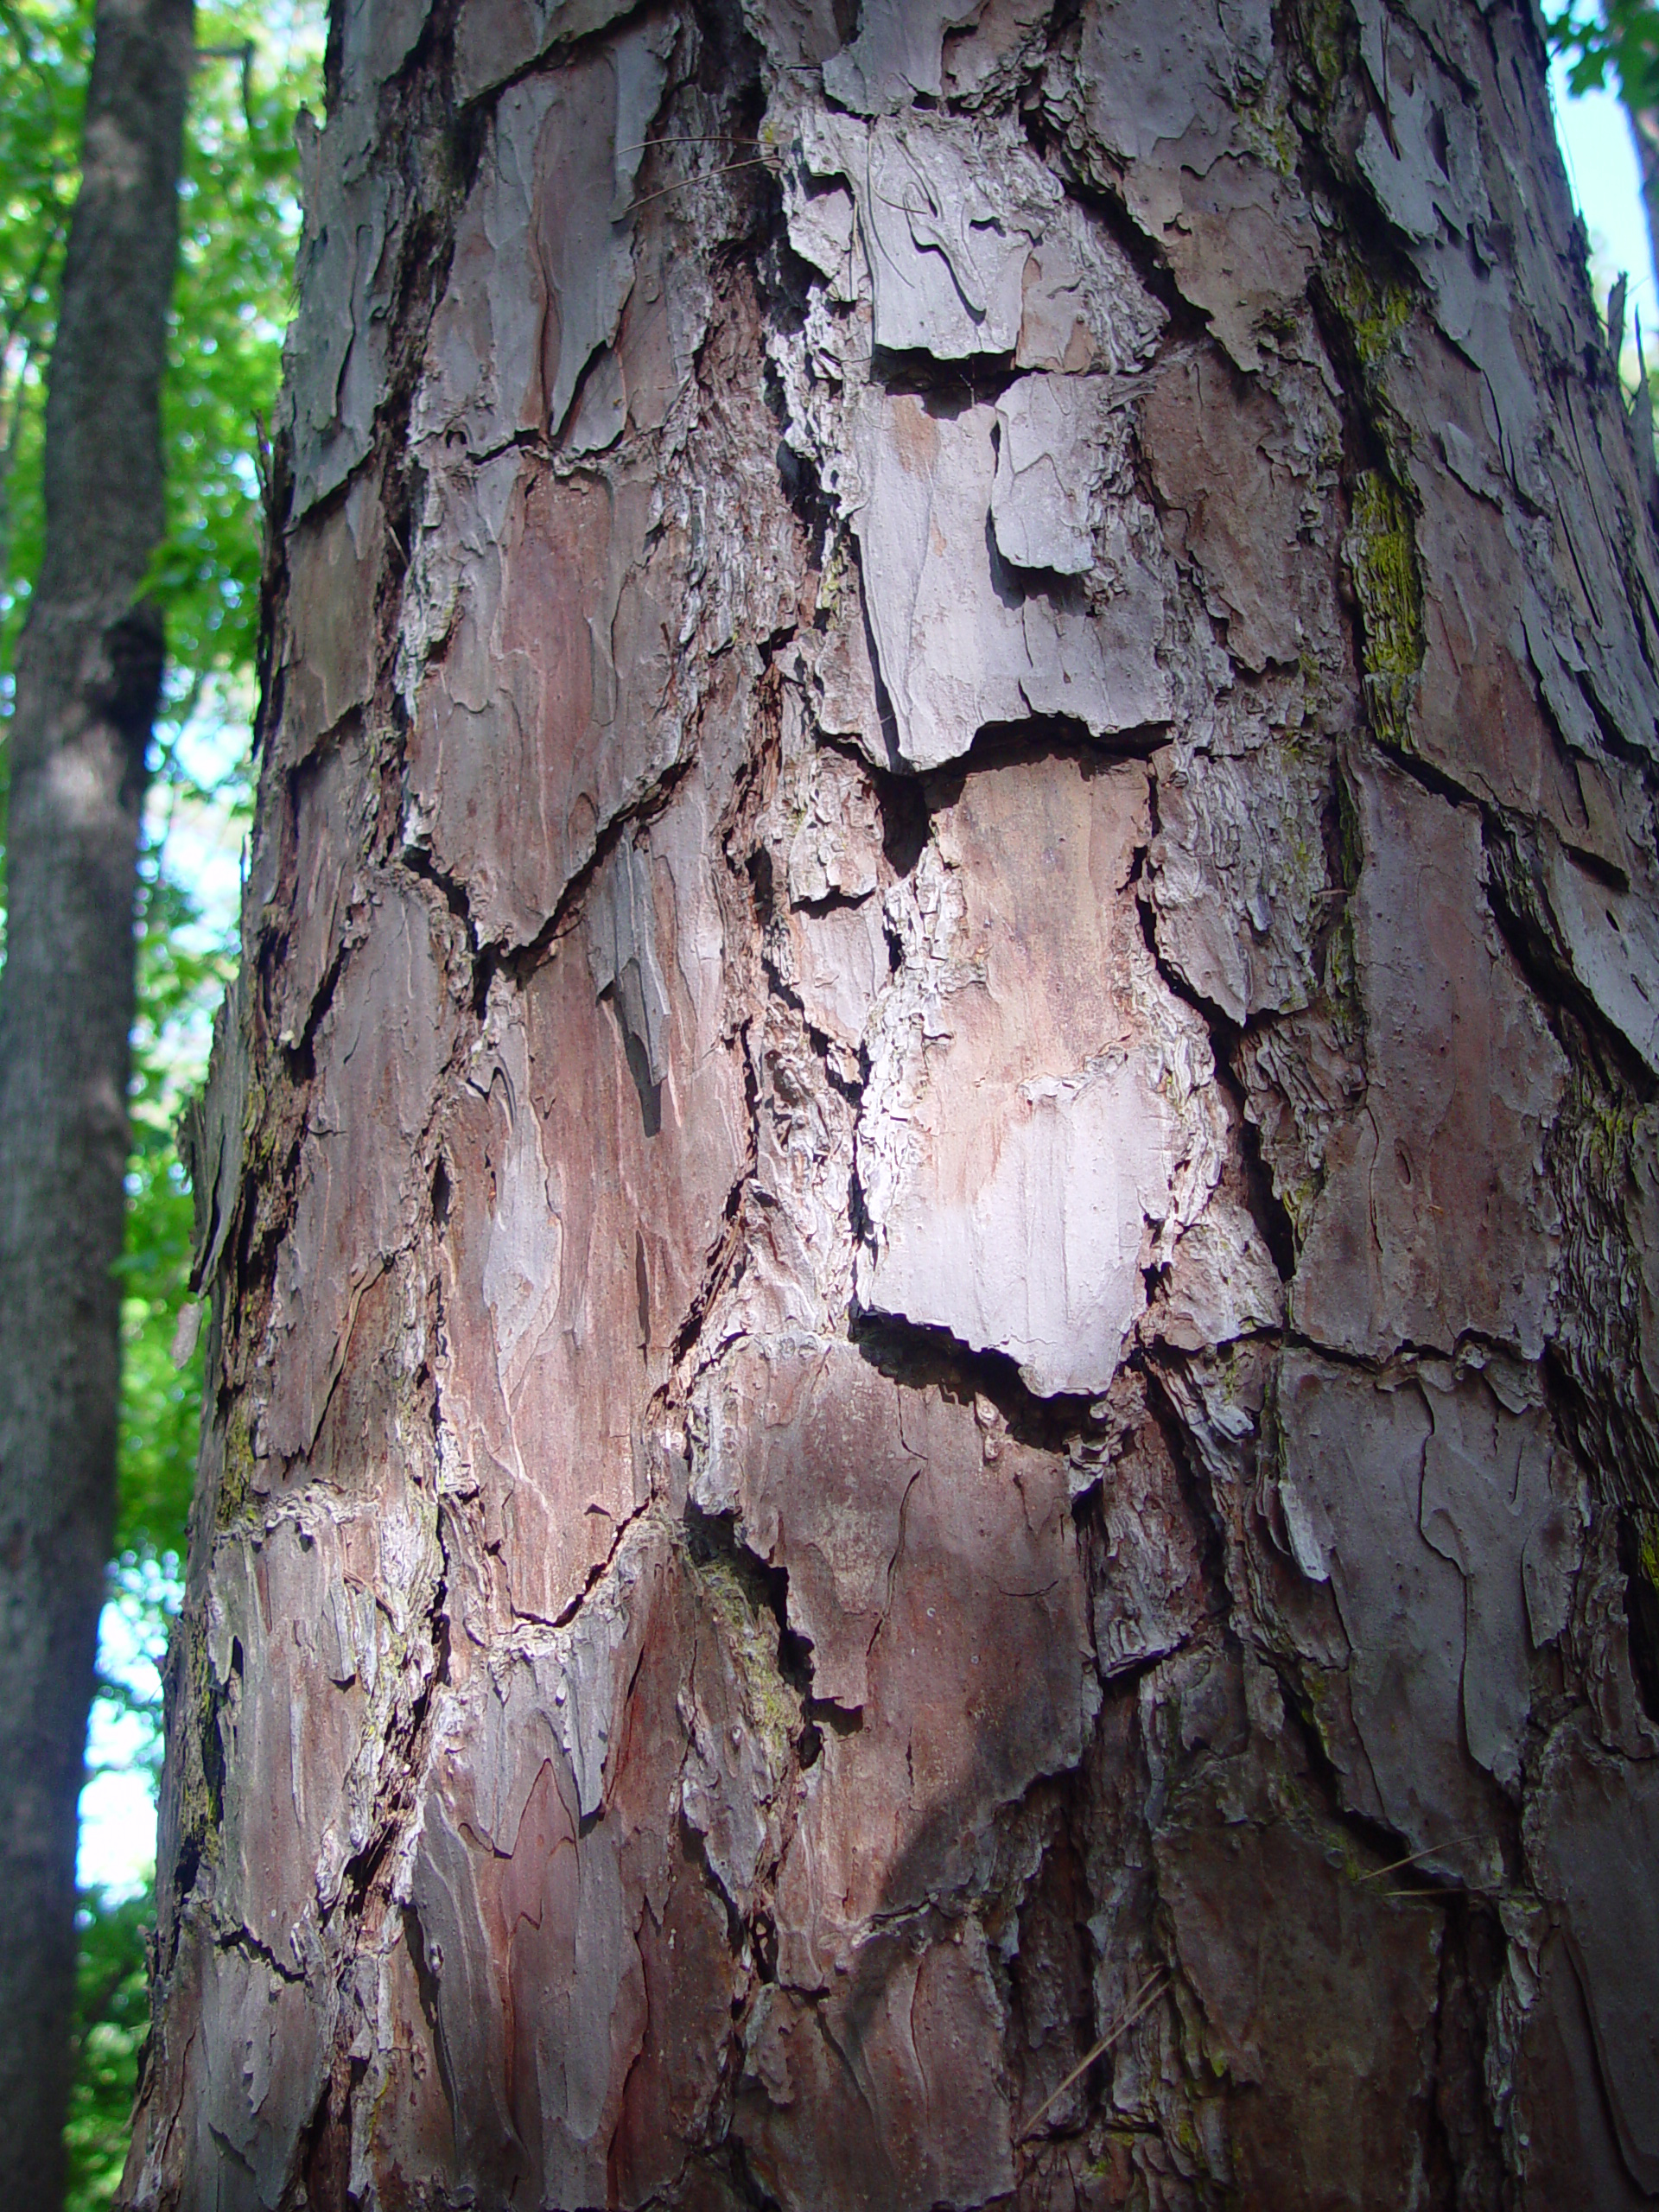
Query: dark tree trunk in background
pixel 1644 133
pixel 933 1207
pixel 89 670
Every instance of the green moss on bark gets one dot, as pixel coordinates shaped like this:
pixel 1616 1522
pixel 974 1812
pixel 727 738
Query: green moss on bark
pixel 1382 555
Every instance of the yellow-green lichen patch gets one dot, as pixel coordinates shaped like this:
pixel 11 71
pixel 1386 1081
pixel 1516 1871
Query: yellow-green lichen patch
pixel 837 571
pixel 749 1631
pixel 1376 309
pixel 1382 556
pixel 236 1470
pixel 199 1754
pixel 1265 128
pixel 1326 42
pixel 1645 1529
pixel 1325 1708
pixel 1299 1195
pixel 1343 1004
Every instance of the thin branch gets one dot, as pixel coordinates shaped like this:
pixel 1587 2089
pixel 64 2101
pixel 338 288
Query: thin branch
pixel 244 54
pixel 14 405
pixel 49 244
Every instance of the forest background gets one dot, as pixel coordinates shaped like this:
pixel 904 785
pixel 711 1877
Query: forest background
pixel 258 61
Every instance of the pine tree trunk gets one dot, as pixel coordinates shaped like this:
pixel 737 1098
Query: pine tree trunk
pixel 88 679
pixel 933 1207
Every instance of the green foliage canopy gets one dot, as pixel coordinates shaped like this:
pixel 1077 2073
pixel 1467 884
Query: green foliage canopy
pixel 1618 38
pixel 111 2020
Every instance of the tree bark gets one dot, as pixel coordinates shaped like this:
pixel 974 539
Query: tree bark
pixel 88 677
pixel 933 1206
pixel 1644 134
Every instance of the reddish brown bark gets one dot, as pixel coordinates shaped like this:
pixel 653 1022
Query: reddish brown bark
pixel 929 1480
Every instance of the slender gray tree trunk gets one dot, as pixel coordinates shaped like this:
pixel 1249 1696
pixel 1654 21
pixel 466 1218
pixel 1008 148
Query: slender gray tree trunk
pixel 1644 134
pixel 89 668
pixel 932 1208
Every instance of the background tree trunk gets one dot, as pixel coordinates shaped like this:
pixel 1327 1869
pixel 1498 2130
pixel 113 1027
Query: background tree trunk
pixel 932 1207
pixel 88 679
pixel 1644 132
